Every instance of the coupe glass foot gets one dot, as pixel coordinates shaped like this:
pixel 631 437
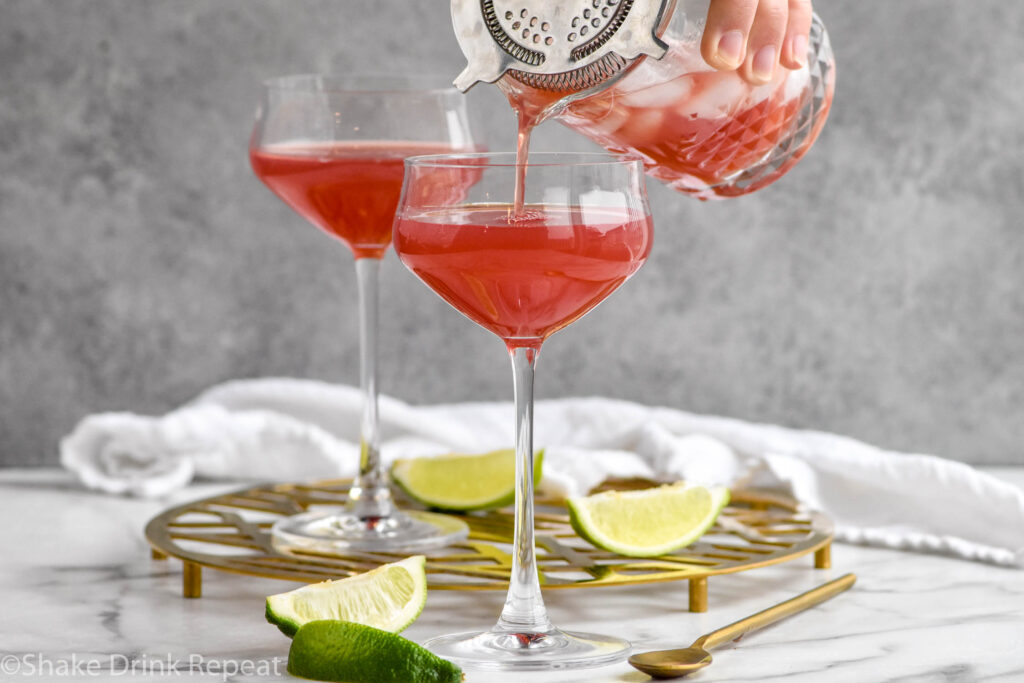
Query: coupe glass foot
pixel 334 531
pixel 529 651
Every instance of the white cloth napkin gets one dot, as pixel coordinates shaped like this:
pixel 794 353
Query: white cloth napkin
pixel 288 430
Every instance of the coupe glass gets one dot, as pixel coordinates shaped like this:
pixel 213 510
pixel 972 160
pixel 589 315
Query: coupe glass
pixel 333 149
pixel 585 229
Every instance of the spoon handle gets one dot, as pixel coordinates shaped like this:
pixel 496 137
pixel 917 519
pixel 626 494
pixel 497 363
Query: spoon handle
pixel 779 611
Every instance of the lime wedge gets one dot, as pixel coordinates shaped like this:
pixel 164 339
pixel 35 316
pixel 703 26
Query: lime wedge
pixel 354 653
pixel 389 597
pixel 463 482
pixel 647 523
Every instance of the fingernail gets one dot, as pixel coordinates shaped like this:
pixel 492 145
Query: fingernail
pixel 799 49
pixel 764 63
pixel 730 48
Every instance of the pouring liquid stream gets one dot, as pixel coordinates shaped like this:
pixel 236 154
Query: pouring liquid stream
pixel 525 125
pixel 532 107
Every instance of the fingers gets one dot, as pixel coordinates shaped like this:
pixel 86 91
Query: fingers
pixel 764 46
pixel 794 49
pixel 724 45
pixel 755 36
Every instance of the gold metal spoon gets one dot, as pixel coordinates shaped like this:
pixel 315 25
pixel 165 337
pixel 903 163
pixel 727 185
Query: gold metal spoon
pixel 683 661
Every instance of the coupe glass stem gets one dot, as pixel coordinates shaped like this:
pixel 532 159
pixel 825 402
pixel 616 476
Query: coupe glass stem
pixel 524 607
pixel 369 496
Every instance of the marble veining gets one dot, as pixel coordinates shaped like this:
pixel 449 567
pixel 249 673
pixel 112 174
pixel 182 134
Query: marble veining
pixel 81 592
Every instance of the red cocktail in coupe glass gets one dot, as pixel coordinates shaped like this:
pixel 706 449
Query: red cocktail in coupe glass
pixel 584 229
pixel 333 149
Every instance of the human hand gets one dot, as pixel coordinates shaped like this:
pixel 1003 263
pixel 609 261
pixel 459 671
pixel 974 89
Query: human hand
pixel 755 36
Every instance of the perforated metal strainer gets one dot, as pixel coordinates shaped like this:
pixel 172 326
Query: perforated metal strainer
pixel 558 45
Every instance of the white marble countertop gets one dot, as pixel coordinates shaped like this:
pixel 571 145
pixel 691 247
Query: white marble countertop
pixel 83 600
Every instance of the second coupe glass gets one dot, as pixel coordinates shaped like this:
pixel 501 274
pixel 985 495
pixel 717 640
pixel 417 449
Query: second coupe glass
pixel 333 149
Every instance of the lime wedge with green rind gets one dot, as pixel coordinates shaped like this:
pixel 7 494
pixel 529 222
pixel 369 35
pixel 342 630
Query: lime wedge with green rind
pixel 354 653
pixel 389 597
pixel 650 522
pixel 462 482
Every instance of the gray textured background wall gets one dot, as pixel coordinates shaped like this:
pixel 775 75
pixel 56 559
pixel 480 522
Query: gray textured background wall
pixel 877 291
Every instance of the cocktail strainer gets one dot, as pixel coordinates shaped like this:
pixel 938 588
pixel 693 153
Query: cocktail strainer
pixel 556 45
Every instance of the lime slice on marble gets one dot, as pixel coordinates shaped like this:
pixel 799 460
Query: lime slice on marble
pixel 389 597
pixel 463 482
pixel 354 653
pixel 650 522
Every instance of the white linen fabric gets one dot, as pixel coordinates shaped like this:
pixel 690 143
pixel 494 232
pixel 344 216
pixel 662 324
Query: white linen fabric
pixel 297 430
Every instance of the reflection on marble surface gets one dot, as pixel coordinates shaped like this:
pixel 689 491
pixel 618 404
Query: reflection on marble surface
pixel 82 597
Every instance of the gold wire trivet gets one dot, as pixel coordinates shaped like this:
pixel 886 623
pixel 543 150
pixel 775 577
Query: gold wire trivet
pixel 231 532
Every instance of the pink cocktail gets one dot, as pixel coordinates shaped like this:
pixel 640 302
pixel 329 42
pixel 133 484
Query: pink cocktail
pixel 523 278
pixel 525 272
pixel 350 189
pixel 334 150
